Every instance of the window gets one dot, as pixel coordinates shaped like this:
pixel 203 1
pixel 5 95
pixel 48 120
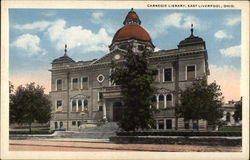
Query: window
pixel 167 74
pixel 80 107
pixel 169 124
pixel 73 106
pixel 61 124
pixel 85 82
pixel 85 105
pixel 75 83
pixel 228 117
pixel 100 96
pixel 59 85
pixel 156 75
pixel 100 108
pixel 191 72
pixel 78 123
pixel 169 100
pixel 161 101
pixel 59 105
pixel 161 124
pixel 56 125
pixel 73 123
pixel 186 124
pixel 141 47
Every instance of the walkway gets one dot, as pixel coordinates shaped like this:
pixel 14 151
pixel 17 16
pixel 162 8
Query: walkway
pixel 105 145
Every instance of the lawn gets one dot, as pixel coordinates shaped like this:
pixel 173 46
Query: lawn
pixel 33 131
pixel 230 129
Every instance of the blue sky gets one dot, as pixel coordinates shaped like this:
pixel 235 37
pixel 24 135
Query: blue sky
pixel 37 36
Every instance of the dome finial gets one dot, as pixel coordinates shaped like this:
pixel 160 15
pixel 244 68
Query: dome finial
pixel 65 50
pixel 192 29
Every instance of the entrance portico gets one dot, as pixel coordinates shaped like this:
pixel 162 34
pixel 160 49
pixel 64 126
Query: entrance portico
pixel 112 103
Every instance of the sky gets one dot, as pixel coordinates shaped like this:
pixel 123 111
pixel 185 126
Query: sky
pixel 37 36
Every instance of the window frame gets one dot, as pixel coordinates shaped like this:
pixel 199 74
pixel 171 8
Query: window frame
pixel 195 72
pixel 56 104
pixel 82 82
pixel 163 72
pixel 56 89
pixel 72 83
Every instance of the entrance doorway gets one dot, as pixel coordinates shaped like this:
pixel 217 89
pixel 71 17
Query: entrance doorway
pixel 117 111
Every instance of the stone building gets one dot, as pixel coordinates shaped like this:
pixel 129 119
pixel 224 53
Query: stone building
pixel 82 93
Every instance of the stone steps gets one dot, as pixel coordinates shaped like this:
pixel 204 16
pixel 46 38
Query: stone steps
pixel 103 131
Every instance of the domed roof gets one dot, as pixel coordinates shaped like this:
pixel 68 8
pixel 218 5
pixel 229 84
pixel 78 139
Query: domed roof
pixel 191 39
pixel 131 31
pixel 64 59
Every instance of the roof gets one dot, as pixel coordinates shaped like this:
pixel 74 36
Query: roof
pixel 63 59
pixel 191 40
pixel 131 31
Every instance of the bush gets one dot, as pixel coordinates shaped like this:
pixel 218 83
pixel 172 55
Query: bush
pixel 179 133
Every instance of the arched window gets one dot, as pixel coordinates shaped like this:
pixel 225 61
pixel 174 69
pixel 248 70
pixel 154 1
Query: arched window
pixel 61 124
pixel 161 101
pixel 85 105
pixel 73 106
pixel 228 117
pixel 56 125
pixel 169 100
pixel 80 107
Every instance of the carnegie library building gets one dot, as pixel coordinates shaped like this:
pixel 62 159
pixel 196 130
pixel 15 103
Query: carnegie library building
pixel 82 92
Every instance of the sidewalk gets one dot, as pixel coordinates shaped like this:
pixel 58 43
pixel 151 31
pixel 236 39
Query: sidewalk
pixel 84 145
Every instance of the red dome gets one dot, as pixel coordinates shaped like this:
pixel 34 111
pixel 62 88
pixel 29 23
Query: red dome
pixel 132 15
pixel 131 31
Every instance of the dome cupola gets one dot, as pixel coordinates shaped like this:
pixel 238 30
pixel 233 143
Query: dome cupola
pixel 63 59
pixel 192 41
pixel 131 31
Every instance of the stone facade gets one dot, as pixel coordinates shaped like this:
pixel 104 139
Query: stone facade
pixel 82 93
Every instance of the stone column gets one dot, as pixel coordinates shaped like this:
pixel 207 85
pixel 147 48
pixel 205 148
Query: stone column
pixel 82 105
pixel 164 121
pixel 157 101
pixel 157 124
pixel 76 105
pixel 104 110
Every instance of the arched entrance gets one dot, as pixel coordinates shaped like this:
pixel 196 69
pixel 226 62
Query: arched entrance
pixel 117 111
pixel 228 117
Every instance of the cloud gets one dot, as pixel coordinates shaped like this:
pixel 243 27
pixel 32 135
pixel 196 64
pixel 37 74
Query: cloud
pixel 48 14
pixel 221 34
pixel 177 20
pixel 30 43
pixel 233 21
pixel 40 25
pixel 96 16
pixel 78 37
pixel 234 51
pixel 228 77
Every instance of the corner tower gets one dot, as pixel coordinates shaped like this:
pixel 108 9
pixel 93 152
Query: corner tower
pixel 132 34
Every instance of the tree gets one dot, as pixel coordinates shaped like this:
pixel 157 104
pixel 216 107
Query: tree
pixel 238 112
pixel 29 104
pixel 135 79
pixel 201 101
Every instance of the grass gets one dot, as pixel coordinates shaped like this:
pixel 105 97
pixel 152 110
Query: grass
pixel 230 129
pixel 33 131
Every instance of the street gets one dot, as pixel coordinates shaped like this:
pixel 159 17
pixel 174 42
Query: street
pixel 104 145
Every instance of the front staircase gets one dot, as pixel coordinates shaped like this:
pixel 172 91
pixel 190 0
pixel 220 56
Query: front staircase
pixel 104 131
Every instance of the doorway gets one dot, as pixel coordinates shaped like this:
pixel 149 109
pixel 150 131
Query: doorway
pixel 117 111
